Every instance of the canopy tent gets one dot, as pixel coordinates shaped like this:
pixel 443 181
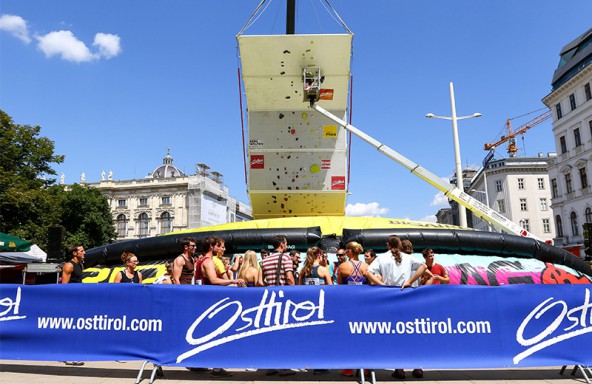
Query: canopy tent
pixel 13 244
pixel 18 251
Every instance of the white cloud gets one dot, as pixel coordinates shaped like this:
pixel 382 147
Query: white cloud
pixel 365 209
pixel 109 45
pixel 16 26
pixel 65 44
pixel 440 200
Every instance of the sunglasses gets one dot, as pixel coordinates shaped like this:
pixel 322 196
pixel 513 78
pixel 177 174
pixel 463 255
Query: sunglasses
pixel 340 254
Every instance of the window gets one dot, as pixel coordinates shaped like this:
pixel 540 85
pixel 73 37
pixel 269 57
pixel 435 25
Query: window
pixel 121 223
pixel 166 224
pixel 143 224
pixel 523 206
pixel 520 183
pixel 499 186
pixel 583 177
pixel 563 144
pixel 568 187
pixel 544 205
pixel 587 92
pixel 573 218
pixel 541 183
pixel 559 226
pixel 546 226
pixel 554 190
pixel 501 206
pixel 524 223
pixel 588 215
pixel 577 137
pixel 121 203
pixel 559 113
pixel 166 200
pixel 572 101
pixel 143 201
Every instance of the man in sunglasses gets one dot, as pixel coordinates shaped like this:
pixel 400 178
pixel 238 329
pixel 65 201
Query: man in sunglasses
pixel 341 258
pixel 183 267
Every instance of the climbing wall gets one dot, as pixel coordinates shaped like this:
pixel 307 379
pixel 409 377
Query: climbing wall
pixel 297 157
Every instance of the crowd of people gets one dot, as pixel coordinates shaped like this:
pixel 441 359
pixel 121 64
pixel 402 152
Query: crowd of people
pixel 208 266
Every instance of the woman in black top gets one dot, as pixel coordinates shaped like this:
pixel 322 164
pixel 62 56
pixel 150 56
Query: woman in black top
pixel 129 274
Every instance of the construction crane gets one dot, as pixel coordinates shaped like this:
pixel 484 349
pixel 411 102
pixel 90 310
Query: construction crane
pixel 511 137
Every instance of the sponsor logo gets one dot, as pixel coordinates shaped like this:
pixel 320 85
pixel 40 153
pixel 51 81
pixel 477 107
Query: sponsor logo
pixel 547 319
pixel 255 142
pixel 9 307
pixel 330 131
pixel 257 161
pixel 326 94
pixel 338 183
pixel 326 164
pixel 274 313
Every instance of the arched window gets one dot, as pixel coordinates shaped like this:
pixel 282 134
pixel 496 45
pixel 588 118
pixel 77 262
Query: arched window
pixel 166 223
pixel 121 223
pixel 559 226
pixel 573 218
pixel 588 215
pixel 143 225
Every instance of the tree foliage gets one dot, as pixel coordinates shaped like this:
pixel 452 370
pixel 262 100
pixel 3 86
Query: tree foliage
pixel 30 200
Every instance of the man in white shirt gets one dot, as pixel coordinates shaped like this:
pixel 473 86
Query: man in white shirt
pixel 396 268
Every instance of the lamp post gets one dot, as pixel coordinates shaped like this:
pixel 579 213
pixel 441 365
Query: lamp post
pixel 462 214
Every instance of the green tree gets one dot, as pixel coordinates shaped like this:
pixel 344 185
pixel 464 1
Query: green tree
pixel 86 215
pixel 30 201
pixel 25 207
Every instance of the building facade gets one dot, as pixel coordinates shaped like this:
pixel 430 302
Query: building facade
pixel 518 188
pixel 168 200
pixel 571 104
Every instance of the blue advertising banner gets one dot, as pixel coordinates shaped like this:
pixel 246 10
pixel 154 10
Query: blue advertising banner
pixel 299 327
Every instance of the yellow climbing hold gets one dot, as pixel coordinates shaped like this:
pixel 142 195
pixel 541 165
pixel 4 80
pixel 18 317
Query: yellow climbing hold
pixel 315 168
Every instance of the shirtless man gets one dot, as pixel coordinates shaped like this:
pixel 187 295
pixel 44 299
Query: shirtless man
pixel 183 267
pixel 207 270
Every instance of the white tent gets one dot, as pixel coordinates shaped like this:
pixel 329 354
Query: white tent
pixel 34 255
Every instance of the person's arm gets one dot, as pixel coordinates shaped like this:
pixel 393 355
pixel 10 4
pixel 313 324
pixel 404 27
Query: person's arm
pixel 140 277
pixel 259 282
pixel 67 270
pixel 209 270
pixel 117 278
pixel 237 263
pixel 443 279
pixel 289 278
pixel 373 279
pixel 300 278
pixel 340 273
pixel 177 269
pixel 324 273
pixel 420 271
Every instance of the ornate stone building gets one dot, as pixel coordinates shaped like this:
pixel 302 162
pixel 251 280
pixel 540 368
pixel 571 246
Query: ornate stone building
pixel 168 200
pixel 571 104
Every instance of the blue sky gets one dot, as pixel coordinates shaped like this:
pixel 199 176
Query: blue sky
pixel 115 83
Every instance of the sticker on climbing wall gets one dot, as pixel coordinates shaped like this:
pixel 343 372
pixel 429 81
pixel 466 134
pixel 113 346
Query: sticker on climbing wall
pixel 326 164
pixel 330 131
pixel 257 161
pixel 326 94
pixel 338 183
pixel 255 142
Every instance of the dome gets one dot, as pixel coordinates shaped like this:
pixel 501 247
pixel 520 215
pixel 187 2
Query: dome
pixel 167 169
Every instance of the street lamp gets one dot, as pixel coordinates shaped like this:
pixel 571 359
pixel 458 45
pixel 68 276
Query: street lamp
pixel 462 214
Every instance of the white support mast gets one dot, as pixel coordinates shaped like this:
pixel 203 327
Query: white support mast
pixel 479 209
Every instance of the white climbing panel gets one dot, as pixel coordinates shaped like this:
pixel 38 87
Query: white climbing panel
pixel 297 157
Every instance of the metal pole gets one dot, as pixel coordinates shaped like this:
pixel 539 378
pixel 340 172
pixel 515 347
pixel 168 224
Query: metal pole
pixel 291 17
pixel 462 213
pixel 486 193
